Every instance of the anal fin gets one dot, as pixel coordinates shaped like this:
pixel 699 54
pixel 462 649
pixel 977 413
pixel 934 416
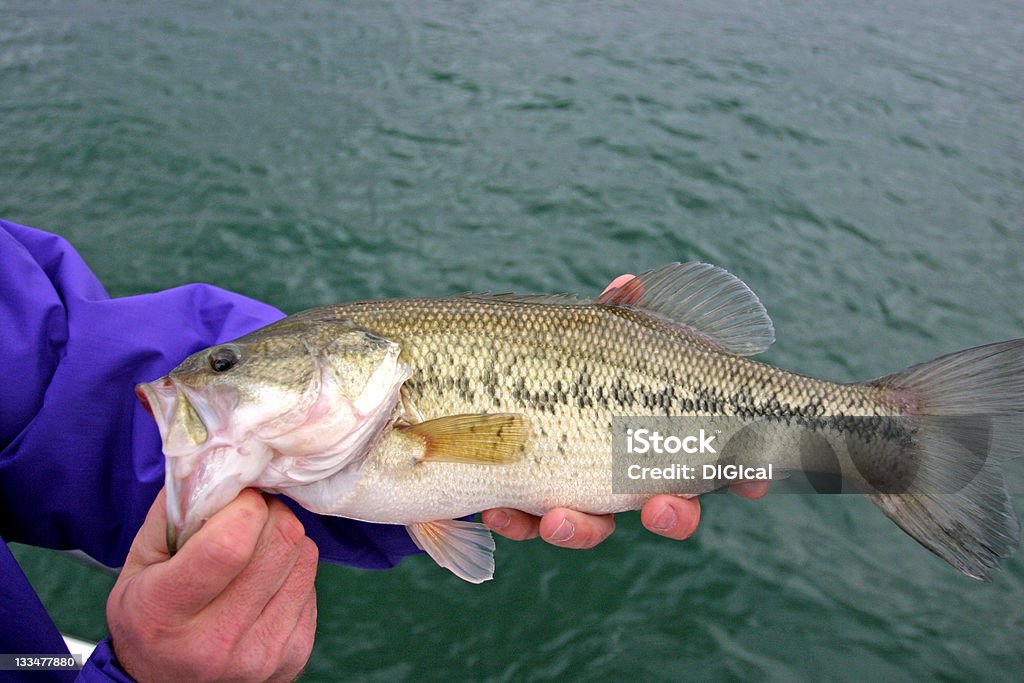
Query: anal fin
pixel 464 548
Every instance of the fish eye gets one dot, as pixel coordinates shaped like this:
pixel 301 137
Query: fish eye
pixel 223 359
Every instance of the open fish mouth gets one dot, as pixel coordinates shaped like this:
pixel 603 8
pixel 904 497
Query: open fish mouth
pixel 181 428
pixel 182 433
pixel 202 466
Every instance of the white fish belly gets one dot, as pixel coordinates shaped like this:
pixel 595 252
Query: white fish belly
pixel 393 487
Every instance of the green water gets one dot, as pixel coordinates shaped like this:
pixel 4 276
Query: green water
pixel 862 169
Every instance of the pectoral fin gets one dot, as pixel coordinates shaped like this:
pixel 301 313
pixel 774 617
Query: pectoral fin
pixel 485 438
pixel 410 413
pixel 464 548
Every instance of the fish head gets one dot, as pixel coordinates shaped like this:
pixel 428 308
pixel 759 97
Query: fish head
pixel 285 405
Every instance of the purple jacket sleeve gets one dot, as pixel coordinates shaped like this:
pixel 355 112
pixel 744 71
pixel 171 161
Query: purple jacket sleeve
pixel 80 462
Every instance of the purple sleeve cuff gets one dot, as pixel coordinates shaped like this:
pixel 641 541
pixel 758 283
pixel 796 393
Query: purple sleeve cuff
pixel 103 666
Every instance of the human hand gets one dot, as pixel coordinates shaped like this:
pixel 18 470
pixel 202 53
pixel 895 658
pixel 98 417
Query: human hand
pixel 664 515
pixel 237 601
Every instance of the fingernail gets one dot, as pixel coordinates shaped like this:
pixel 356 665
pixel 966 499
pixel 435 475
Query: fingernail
pixel 666 519
pixel 564 532
pixel 499 519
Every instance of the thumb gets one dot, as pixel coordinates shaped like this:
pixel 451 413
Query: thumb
pixel 150 544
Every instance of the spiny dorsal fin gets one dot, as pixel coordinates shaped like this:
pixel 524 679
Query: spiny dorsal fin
pixel 509 297
pixel 464 548
pixel 483 438
pixel 706 300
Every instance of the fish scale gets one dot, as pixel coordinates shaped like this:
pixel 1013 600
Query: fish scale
pixel 569 369
pixel 536 358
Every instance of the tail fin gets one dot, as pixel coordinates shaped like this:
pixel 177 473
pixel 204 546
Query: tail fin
pixel 972 403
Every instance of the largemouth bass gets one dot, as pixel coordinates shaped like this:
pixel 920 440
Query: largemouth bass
pixel 422 411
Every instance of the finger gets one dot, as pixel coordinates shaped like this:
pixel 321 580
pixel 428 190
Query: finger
pixel 213 557
pixel 751 489
pixel 671 516
pixel 514 524
pixel 571 529
pixel 619 281
pixel 272 563
pixel 150 544
pixel 269 639
pixel 300 643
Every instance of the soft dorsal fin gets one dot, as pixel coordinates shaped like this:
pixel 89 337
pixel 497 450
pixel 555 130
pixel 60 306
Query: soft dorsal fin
pixel 706 300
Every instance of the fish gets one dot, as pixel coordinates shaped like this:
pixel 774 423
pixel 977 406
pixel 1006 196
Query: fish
pixel 424 411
